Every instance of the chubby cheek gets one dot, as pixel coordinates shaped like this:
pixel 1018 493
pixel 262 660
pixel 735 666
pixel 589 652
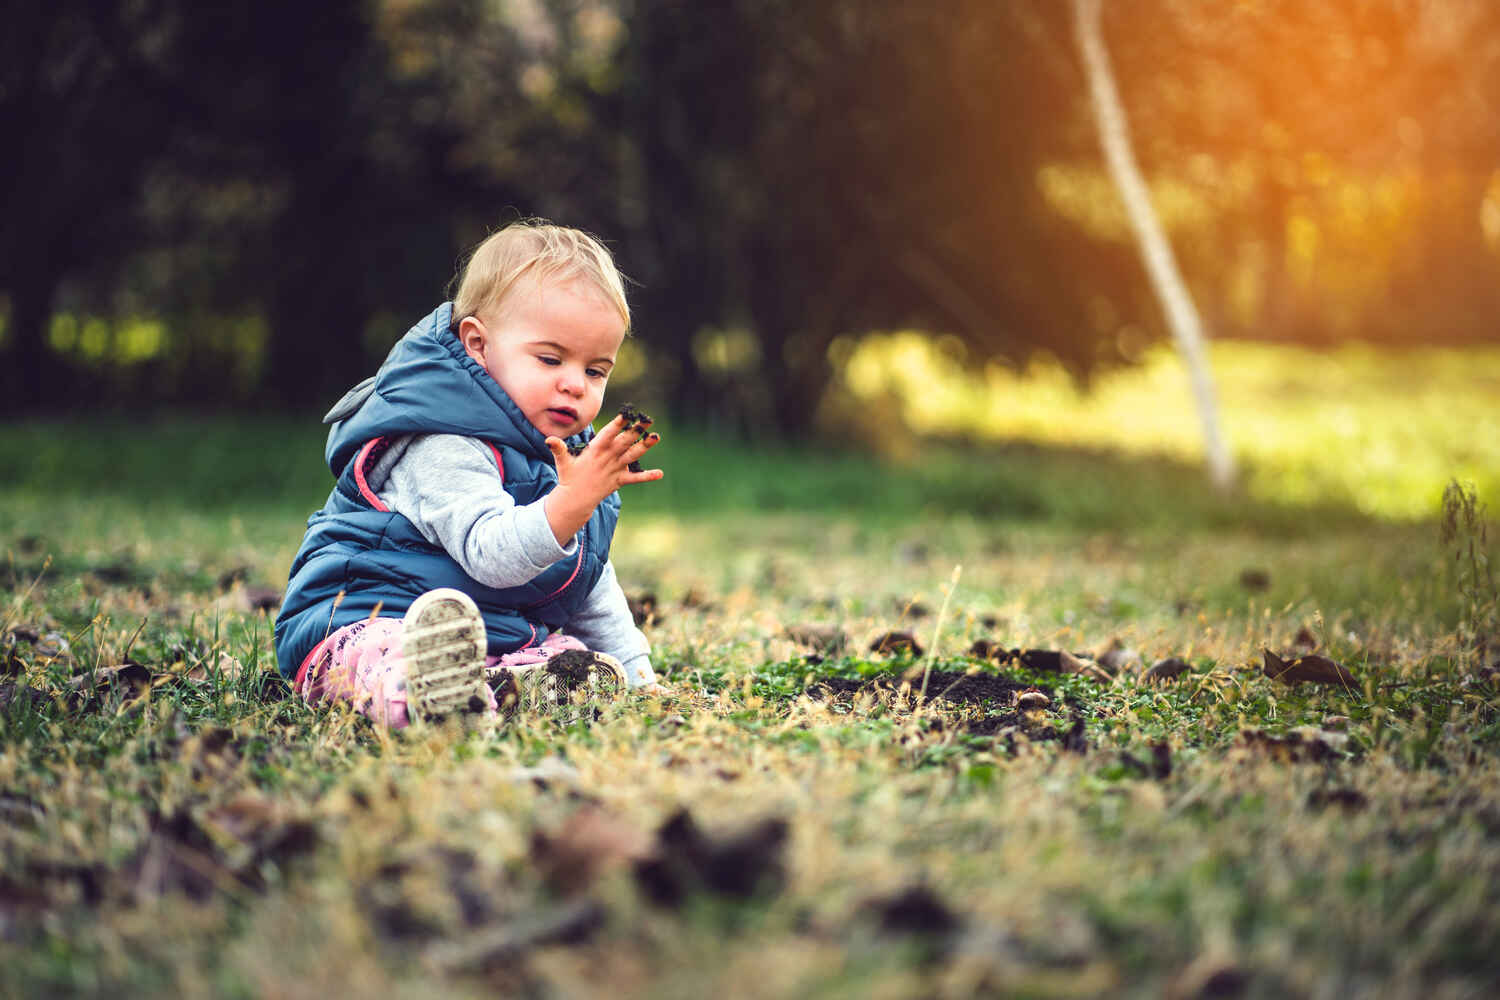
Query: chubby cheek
pixel 592 404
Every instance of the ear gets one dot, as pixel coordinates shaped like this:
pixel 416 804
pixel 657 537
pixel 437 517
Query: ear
pixel 471 336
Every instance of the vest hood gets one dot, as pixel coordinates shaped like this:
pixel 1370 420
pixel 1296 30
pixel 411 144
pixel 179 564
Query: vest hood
pixel 428 384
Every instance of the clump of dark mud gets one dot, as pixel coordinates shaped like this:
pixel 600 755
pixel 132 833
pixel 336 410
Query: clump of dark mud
pixel 638 421
pixel 571 667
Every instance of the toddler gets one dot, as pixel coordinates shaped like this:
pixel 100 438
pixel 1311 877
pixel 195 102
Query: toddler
pixel 474 504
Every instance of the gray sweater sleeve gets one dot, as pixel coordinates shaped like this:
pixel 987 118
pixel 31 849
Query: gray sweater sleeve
pixel 450 489
pixel 606 625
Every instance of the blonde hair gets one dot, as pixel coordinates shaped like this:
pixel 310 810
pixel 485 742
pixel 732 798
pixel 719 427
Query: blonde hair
pixel 535 251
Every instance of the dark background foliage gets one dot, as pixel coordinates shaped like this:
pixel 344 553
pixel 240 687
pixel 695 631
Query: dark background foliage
pixel 245 204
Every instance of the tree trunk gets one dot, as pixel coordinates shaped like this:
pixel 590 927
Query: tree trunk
pixel 32 377
pixel 1161 265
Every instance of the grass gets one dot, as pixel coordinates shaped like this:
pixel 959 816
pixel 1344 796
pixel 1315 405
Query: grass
pixel 191 829
pixel 1377 430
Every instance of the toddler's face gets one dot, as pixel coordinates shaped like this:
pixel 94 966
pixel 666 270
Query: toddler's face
pixel 551 350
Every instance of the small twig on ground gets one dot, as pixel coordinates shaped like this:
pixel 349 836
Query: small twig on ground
pixel 937 630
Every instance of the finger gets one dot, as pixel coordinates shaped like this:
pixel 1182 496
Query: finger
pixel 624 441
pixel 610 433
pixel 558 448
pixel 644 476
pixel 640 447
pixel 637 427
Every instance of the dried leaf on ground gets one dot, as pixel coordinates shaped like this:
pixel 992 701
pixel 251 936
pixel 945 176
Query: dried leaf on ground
pixel 1084 668
pixel 130 677
pixel 1168 669
pixel 1060 661
pixel 824 638
pixel 1313 668
pixel 892 643
pixel 739 865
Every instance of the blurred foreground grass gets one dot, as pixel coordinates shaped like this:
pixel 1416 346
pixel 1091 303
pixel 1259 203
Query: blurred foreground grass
pixel 173 822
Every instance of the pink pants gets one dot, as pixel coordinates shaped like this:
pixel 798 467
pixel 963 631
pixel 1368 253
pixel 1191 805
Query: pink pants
pixel 362 665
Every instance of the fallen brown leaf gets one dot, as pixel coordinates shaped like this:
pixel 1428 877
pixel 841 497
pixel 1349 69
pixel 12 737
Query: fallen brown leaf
pixel 1060 661
pixel 824 638
pixel 890 643
pixel 1168 669
pixel 1085 668
pixel 130 677
pixel 1313 668
pixel 740 865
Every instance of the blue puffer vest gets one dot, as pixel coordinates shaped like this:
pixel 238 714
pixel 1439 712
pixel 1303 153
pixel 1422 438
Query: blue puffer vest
pixel 375 558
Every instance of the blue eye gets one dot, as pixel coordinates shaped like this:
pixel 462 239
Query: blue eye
pixel 596 373
pixel 553 362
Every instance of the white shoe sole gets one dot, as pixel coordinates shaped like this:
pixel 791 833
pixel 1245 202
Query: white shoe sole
pixel 443 641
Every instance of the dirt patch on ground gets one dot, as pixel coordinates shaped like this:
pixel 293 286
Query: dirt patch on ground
pixel 991 699
pixel 947 685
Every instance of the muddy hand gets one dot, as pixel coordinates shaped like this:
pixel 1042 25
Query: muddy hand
pixel 585 479
pixel 637 422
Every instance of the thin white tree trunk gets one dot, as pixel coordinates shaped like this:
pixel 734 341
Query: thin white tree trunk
pixel 1161 265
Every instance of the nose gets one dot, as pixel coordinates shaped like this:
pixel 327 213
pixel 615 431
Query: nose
pixel 570 382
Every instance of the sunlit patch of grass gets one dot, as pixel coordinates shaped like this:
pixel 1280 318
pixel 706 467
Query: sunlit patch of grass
pixel 1378 430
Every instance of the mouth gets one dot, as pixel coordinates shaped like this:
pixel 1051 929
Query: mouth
pixel 563 414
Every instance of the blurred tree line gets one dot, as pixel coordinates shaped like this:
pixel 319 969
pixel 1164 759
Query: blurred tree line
pixel 245 204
